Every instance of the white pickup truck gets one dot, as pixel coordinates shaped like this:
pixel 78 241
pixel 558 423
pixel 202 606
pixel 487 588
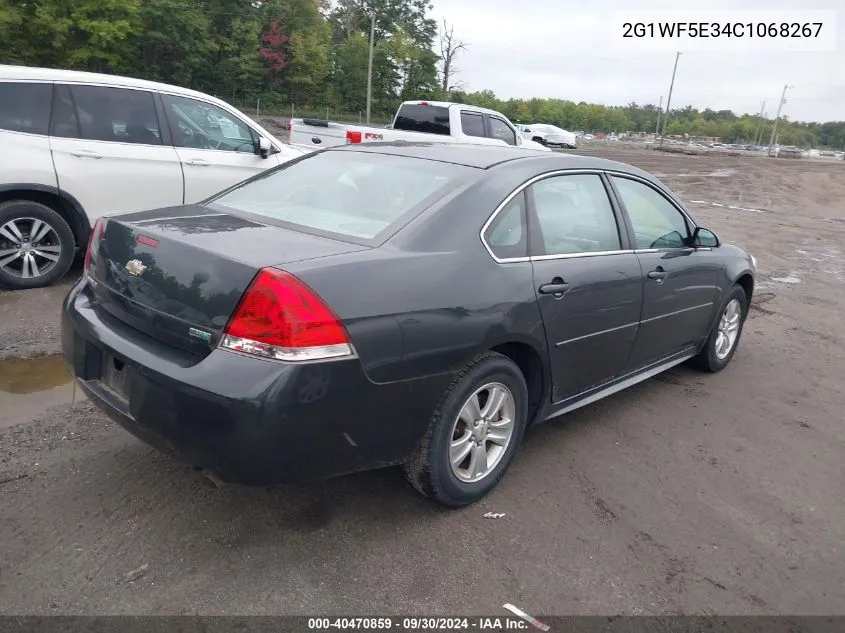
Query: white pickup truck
pixel 429 121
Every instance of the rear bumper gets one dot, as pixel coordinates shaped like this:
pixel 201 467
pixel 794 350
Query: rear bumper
pixel 247 420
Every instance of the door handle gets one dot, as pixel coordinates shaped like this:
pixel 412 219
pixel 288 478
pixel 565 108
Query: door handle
pixel 85 153
pixel 197 162
pixel 557 287
pixel 658 274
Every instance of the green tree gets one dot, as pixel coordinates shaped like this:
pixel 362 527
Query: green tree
pixel 310 63
pixel 350 72
pixel 171 44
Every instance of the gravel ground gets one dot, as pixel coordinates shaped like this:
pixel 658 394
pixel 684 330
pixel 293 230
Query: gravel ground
pixel 688 493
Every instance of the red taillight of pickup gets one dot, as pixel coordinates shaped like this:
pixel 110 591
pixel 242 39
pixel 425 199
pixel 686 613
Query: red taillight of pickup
pixel 353 136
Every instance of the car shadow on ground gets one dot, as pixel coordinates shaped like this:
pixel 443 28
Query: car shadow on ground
pixel 123 475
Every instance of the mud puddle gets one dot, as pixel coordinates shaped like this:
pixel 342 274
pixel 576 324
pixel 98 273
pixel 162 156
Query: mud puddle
pixel 29 386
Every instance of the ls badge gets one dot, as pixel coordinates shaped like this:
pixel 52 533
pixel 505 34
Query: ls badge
pixel 203 336
pixel 135 267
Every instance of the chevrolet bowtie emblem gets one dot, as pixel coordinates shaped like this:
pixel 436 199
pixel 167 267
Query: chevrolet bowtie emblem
pixel 135 267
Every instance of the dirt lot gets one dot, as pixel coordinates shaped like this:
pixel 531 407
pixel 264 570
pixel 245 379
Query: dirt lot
pixel 686 494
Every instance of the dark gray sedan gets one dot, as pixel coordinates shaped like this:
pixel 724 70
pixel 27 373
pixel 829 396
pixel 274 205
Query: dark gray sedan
pixel 396 304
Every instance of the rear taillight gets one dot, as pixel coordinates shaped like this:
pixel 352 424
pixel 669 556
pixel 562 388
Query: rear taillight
pixel 93 242
pixel 280 317
pixel 353 136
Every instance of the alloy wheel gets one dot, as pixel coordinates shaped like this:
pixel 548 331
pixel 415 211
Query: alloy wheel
pixel 29 247
pixel 728 330
pixel 482 432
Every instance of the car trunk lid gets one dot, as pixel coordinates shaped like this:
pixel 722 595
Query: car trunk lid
pixel 178 274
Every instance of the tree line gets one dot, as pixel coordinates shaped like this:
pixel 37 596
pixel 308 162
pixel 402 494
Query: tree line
pixel 313 55
pixel 724 124
pixel 302 52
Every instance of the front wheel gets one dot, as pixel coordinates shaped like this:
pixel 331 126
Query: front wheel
pixel 36 245
pixel 724 339
pixel 474 433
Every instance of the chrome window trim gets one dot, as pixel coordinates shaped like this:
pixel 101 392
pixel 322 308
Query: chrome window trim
pixel 672 249
pixel 519 190
pixel 545 258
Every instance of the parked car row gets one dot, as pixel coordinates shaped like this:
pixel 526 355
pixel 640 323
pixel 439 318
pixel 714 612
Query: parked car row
pixel 415 122
pixel 75 146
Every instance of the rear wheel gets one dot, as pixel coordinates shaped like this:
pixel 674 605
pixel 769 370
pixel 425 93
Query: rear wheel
pixel 721 346
pixel 474 433
pixel 36 245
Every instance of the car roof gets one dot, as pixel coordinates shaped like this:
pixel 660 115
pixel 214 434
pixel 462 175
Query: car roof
pixel 450 104
pixel 488 156
pixel 30 73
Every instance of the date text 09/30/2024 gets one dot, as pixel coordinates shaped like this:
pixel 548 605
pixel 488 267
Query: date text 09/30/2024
pixel 509 623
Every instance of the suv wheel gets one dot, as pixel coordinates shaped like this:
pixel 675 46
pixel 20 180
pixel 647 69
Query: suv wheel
pixel 36 245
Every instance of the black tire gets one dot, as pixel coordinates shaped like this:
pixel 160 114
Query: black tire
pixel 539 139
pixel 429 469
pixel 11 273
pixel 707 359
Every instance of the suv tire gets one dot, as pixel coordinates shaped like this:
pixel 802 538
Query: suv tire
pixel 37 246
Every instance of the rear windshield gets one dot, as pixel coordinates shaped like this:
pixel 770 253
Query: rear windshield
pixel 345 193
pixel 423 118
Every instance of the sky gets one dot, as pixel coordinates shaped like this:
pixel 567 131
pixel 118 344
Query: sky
pixel 574 50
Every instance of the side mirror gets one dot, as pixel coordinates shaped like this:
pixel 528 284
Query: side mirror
pixel 704 238
pixel 264 147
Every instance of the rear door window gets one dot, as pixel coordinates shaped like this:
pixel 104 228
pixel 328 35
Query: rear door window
pixel 358 195
pixel 98 113
pixel 423 118
pixel 25 107
pixel 472 124
pixel 574 216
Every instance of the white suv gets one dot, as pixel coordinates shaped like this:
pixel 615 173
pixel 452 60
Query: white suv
pixel 75 146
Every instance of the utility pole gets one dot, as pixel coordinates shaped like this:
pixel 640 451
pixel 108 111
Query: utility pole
pixel 659 112
pixel 759 130
pixel 777 116
pixel 669 98
pixel 370 65
pixel 763 127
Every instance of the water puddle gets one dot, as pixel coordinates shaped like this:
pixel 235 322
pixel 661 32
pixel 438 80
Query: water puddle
pixel 29 386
